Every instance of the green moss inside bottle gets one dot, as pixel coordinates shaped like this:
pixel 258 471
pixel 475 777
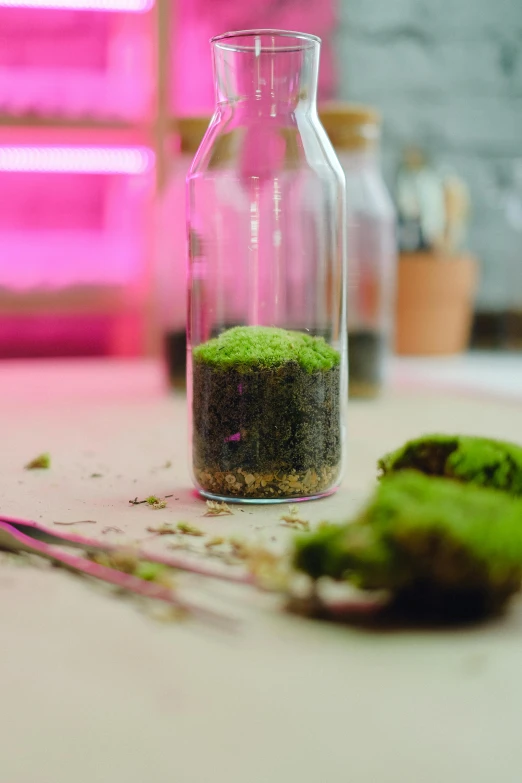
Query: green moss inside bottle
pixel 266 415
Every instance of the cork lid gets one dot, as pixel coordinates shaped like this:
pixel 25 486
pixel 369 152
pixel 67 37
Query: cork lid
pixel 350 125
pixel 191 131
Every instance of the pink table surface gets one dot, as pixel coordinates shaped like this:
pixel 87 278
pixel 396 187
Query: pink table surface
pixel 94 689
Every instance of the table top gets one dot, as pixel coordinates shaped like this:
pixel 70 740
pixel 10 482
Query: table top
pixel 94 688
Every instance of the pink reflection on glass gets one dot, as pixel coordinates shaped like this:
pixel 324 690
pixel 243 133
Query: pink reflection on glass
pixel 87 160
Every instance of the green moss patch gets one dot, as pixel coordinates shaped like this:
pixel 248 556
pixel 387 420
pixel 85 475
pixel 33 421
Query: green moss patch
pixel 247 347
pixel 482 461
pixel 432 542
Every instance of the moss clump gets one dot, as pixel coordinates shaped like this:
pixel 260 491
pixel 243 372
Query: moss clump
pixel 266 414
pixel 41 462
pixel 252 347
pixel 436 545
pixel 482 461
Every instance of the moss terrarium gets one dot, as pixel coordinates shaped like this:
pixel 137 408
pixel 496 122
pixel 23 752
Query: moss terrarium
pixel 266 415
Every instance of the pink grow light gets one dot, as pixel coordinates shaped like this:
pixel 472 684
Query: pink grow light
pixel 132 6
pixel 83 160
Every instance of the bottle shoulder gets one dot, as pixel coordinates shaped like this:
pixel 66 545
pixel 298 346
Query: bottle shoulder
pixel 265 146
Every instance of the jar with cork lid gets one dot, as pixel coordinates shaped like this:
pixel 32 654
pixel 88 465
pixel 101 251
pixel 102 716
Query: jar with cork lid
pixel 354 131
pixel 171 255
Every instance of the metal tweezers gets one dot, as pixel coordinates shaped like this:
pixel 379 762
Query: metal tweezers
pixel 22 536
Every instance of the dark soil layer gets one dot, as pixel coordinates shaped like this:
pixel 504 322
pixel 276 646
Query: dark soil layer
pixel 175 352
pixel 365 361
pixel 266 431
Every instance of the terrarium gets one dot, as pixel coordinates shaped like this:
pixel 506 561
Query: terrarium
pixel 354 132
pixel 267 374
pixel 171 261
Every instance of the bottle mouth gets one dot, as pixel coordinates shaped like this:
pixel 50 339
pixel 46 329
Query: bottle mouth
pixel 265 41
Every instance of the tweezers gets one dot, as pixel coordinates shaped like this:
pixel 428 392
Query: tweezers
pixel 20 535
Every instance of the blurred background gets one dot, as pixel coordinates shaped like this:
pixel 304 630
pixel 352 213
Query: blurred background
pixel 103 103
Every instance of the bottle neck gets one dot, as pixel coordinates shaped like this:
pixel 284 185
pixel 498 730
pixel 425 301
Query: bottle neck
pixel 266 80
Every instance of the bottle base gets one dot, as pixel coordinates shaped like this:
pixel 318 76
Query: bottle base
pixel 267 486
pixel 265 501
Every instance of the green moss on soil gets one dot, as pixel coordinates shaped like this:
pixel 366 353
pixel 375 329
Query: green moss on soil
pixel 482 461
pixel 253 347
pixel 434 543
pixel 266 414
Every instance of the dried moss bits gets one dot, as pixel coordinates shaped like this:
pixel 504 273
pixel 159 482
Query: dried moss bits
pixel 41 462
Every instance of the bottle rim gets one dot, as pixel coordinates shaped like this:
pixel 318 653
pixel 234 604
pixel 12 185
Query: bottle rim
pixel 301 41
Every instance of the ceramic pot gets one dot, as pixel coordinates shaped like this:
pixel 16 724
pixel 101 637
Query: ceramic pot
pixel 434 304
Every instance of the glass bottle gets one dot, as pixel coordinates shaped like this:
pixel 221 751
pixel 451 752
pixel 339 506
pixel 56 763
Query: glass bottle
pixel 171 256
pixel 266 324
pixel 354 132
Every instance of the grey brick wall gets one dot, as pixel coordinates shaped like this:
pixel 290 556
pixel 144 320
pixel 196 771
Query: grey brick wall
pixel 448 74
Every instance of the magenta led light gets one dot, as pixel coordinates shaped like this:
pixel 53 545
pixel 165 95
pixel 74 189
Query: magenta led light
pixel 132 6
pixel 74 160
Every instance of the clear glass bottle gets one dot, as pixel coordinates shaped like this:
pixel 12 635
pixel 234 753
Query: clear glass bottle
pixel 171 255
pixel 266 324
pixel 354 132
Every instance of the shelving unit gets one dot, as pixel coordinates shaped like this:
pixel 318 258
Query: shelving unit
pixel 47 265
pixel 135 109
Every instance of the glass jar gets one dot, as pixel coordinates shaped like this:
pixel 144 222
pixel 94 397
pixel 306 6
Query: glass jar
pixel 354 132
pixel 171 257
pixel 266 324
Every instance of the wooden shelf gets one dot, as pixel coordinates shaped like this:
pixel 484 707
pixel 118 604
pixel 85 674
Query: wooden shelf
pixel 56 122
pixel 23 121
pixel 76 300
pixel 154 132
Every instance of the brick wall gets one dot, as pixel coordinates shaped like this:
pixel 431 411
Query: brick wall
pixel 448 74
